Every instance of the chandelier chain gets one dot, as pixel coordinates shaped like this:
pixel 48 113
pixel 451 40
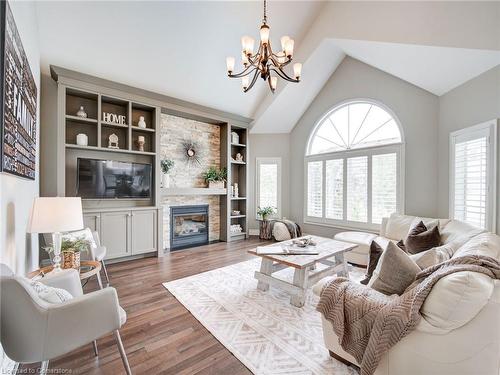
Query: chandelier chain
pixel 265 11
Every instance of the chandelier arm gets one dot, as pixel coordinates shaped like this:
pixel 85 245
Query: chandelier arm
pixel 269 82
pixel 254 79
pixel 253 60
pixel 244 73
pixel 283 75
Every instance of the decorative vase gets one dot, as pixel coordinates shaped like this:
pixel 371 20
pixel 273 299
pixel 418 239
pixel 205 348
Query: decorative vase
pixel 71 259
pixel 82 139
pixel 165 180
pixel 81 113
pixel 141 123
pixel 216 184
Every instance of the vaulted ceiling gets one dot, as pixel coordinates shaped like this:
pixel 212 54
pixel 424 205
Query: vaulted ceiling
pixel 179 48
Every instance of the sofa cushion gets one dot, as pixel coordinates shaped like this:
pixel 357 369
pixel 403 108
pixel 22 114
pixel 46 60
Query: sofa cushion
pixel 398 226
pixel 418 242
pixel 395 271
pixel 359 238
pixel 457 298
pixel 456 229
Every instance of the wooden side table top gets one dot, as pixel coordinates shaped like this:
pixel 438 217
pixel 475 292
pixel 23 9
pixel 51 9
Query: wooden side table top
pixel 326 247
pixel 87 269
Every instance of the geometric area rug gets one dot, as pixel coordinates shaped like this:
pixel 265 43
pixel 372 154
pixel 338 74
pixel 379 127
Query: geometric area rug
pixel 267 334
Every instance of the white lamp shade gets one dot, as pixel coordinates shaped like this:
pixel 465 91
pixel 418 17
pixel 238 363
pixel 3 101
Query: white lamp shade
pixel 56 214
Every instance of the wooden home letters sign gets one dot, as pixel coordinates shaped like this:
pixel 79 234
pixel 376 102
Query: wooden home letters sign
pixel 111 117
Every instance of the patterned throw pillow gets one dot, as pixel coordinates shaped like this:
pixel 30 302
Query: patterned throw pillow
pixel 50 294
pixel 373 258
pixel 395 271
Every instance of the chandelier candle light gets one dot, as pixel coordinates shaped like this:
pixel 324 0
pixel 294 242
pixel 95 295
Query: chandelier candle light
pixel 264 63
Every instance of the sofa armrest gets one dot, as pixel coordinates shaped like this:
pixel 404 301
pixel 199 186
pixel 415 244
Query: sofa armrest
pixel 383 226
pixel 68 279
pixel 80 321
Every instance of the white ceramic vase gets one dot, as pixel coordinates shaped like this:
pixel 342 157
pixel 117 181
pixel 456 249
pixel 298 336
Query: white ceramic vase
pixel 165 180
pixel 141 123
pixel 82 140
pixel 81 113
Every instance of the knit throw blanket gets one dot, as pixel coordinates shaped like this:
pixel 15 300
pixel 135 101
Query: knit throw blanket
pixel 293 228
pixel 369 323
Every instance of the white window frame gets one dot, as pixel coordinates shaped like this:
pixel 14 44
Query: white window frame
pixel 488 129
pixel 262 161
pixel 397 148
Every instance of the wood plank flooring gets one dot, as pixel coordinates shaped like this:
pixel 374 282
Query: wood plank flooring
pixel 161 336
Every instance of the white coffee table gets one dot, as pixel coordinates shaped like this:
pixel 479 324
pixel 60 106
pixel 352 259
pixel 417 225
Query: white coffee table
pixel 331 254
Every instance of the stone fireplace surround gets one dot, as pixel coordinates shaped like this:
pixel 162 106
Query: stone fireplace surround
pixel 173 131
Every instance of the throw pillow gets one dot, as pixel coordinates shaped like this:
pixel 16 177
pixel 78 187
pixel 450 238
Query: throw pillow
pixel 50 294
pixel 417 229
pixel 395 271
pixel 433 256
pixel 373 258
pixel 416 243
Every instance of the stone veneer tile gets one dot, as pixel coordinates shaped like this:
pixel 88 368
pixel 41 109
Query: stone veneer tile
pixel 173 131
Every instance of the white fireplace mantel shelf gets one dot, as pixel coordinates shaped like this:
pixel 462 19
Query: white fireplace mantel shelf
pixel 192 191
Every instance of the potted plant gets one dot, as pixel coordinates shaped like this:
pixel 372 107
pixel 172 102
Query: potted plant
pixel 215 177
pixel 166 167
pixel 70 251
pixel 264 212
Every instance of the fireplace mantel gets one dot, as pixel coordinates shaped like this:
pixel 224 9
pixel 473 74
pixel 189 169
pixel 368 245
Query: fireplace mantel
pixel 192 191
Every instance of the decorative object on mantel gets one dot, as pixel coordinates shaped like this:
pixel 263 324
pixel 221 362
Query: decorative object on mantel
pixel 239 157
pixel 81 113
pixel 140 142
pixel 235 138
pixel 82 139
pixel 265 212
pixel 113 141
pixel 113 118
pixel 166 166
pixel 215 177
pixel 18 96
pixel 236 228
pixel 141 123
pixel 191 152
pixel 70 250
pixel 235 191
pixel 264 61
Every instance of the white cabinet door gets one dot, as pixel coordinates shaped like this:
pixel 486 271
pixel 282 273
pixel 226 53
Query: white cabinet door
pixel 115 233
pixel 92 221
pixel 143 231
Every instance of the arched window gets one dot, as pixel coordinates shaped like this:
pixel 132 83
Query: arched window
pixel 353 166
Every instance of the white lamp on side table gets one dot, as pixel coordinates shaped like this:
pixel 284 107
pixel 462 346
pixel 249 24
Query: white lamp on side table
pixel 55 215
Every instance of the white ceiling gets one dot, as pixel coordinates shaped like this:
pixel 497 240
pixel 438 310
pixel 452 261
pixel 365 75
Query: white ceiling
pixel 173 48
pixel 179 48
pixel 435 69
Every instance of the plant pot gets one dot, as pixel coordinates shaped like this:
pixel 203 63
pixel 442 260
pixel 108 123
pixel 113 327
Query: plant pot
pixel 71 259
pixel 216 184
pixel 165 180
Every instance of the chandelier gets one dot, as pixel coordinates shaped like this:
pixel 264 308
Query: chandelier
pixel 264 63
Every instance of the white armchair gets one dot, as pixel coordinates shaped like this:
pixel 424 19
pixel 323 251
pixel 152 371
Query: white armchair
pixel 33 330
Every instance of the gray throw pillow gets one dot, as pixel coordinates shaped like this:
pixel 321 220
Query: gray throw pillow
pixel 416 243
pixel 395 271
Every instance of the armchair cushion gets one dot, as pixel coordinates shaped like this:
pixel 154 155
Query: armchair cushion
pixel 50 294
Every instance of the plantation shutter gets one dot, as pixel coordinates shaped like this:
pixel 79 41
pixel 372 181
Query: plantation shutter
pixel 315 188
pixel 384 186
pixel 357 189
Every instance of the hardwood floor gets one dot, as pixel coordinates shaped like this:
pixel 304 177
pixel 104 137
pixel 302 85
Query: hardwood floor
pixel 161 336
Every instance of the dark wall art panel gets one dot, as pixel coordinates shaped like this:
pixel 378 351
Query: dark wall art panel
pixel 18 91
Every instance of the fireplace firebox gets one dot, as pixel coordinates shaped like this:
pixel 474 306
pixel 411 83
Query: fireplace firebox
pixel 188 226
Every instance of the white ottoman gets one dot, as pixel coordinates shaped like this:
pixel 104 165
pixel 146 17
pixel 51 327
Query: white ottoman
pixel 358 255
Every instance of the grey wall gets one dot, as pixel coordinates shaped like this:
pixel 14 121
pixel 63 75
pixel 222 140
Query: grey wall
pixel 269 145
pixel 475 101
pixel 417 111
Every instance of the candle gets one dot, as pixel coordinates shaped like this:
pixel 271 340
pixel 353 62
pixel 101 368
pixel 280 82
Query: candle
pixel 141 138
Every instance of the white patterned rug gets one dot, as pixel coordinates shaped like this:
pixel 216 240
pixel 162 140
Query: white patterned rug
pixel 262 329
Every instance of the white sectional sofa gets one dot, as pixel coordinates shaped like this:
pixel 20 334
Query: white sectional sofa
pixel 460 330
pixel 395 228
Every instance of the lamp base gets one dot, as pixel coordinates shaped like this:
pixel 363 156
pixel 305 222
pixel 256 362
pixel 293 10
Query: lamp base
pixel 56 243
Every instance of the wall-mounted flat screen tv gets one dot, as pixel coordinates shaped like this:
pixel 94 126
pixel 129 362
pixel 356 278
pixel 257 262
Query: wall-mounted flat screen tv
pixel 110 179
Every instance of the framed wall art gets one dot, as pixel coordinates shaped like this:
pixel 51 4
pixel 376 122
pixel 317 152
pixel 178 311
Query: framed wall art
pixel 18 91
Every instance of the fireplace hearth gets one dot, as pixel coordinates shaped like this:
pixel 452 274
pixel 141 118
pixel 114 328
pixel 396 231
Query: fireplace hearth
pixel 188 226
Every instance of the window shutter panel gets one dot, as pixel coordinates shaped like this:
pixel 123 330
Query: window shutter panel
pixel 334 199
pixel 315 188
pixel 357 189
pixel 384 186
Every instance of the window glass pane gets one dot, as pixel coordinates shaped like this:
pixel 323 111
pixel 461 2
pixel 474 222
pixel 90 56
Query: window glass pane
pixel 357 189
pixel 334 189
pixel 384 186
pixel 314 188
pixel 268 185
pixel 471 181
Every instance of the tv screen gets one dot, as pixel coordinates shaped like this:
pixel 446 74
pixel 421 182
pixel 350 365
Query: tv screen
pixel 102 179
